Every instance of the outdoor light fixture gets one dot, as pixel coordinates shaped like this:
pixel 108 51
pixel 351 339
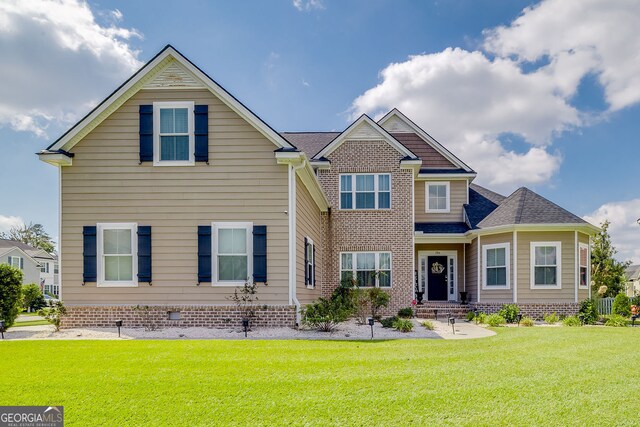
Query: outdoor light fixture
pixel 581 317
pixel 245 326
pixel 119 325
pixel 2 328
pixel 371 322
pixel 436 313
pixel 475 315
pixel 452 321
pixel 519 319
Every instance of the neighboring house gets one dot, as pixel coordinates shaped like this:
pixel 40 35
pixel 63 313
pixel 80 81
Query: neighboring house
pixel 38 266
pixel 173 193
pixel 632 287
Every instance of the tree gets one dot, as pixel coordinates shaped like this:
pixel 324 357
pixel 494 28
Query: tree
pixel 10 293
pixel 32 298
pixel 605 270
pixel 32 234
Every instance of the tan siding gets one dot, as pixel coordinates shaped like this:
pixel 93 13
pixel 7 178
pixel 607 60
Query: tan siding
pixel 472 270
pixel 583 293
pixel 497 295
pixel 106 184
pixel 458 194
pixel 309 224
pixel 567 292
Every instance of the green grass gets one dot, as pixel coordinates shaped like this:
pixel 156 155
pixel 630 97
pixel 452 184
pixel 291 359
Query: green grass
pixel 17 324
pixel 522 376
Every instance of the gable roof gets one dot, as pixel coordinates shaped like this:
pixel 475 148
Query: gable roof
pixel 163 59
pixel 6 250
pixel 364 120
pixel 27 249
pixel 395 114
pixel 481 203
pixel 633 272
pixel 310 142
pixel 524 206
pixel 431 158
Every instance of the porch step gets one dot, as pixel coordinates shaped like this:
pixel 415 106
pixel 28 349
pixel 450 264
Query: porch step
pixel 428 310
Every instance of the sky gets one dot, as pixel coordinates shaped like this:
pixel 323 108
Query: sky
pixel 538 94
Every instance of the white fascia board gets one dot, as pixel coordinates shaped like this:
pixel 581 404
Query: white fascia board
pixel 55 159
pixel 306 174
pixel 452 176
pixel 421 238
pixel 586 228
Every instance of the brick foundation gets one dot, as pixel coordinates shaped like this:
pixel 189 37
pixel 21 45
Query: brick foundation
pixel 190 316
pixel 533 310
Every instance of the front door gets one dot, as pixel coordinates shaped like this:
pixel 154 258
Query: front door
pixel 437 270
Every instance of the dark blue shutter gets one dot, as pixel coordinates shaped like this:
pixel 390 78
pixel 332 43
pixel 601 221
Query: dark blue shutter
pixel 260 253
pixel 204 253
pixel 306 261
pixel 315 261
pixel 90 247
pixel 146 133
pixel 144 253
pixel 201 118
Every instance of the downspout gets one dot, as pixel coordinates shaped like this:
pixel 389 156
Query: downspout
pixel 293 299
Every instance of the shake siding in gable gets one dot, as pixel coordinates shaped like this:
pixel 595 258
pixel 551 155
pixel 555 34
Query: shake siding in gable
pixel 309 223
pixel 458 195
pixel 106 184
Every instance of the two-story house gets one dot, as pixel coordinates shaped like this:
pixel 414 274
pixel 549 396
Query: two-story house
pixel 173 193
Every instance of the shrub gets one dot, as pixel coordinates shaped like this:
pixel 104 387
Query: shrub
pixel 482 318
pixel 496 320
pixel 405 313
pixel 53 313
pixel 621 305
pixel 388 322
pixel 617 321
pixel 403 325
pixel 571 321
pixel 589 311
pixel 245 298
pixel 510 312
pixel 32 298
pixel 470 316
pixel 10 294
pixel 635 301
pixel 148 321
pixel 527 321
pixel 378 299
pixel 428 324
pixel 325 314
pixel 551 318
pixel 360 305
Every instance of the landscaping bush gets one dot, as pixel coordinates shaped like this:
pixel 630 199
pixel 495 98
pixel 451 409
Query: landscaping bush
pixel 510 312
pixel 10 294
pixel 405 313
pixel 403 325
pixel 326 314
pixel 589 311
pixel 388 322
pixel 551 318
pixel 482 318
pixel 571 321
pixel 496 320
pixel 53 313
pixel 378 299
pixel 635 301
pixel 527 321
pixel 621 305
pixel 617 321
pixel 367 303
pixel 428 324
pixel 470 316
pixel 32 298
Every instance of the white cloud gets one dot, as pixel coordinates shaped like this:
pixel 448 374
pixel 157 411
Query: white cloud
pixel 308 5
pixel 624 230
pixel 469 99
pixel 7 222
pixel 58 61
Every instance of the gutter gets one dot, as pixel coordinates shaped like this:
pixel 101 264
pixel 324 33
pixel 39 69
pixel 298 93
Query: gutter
pixel 293 298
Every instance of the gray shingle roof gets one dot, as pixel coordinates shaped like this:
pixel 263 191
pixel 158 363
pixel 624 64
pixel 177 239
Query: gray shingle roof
pixel 481 203
pixel 310 142
pixel 524 206
pixel 441 227
pixel 633 272
pixel 30 250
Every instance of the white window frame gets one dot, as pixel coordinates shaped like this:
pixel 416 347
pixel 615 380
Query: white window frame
pixel 101 227
pixel 354 270
pixel 376 191
pixel 588 266
pixel 532 269
pixel 310 264
pixel 11 258
pixel 507 257
pixel 216 227
pixel 157 106
pixel 447 184
pixel 44 268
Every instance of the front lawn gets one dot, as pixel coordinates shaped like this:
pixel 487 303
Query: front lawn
pixel 522 376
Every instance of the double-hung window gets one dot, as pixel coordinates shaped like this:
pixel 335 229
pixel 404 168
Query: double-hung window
pixel 117 254
pixel 369 269
pixel 310 262
pixel 173 133
pixel 17 262
pixel 584 265
pixel 233 251
pixel 44 267
pixel 546 264
pixel 437 197
pixel 496 266
pixel 365 191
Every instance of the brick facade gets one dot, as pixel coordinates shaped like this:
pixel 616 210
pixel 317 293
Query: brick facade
pixel 533 310
pixel 190 316
pixel 370 230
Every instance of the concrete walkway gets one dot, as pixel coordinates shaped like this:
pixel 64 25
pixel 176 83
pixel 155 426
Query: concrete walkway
pixel 463 330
